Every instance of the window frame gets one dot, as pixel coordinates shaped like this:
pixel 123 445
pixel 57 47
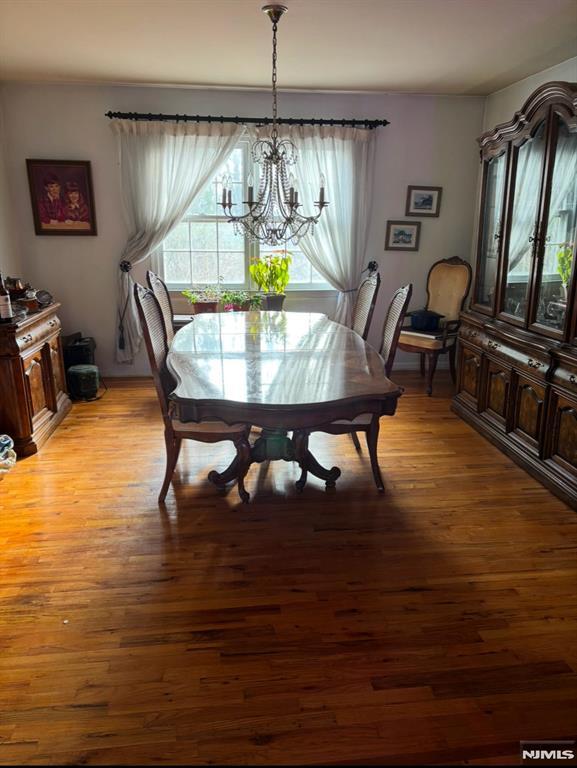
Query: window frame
pixel 251 249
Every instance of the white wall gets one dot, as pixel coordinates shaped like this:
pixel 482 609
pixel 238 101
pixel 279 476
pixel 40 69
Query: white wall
pixel 430 141
pixel 10 263
pixel 501 105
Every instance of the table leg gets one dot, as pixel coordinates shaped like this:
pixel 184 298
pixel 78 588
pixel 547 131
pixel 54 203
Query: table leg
pixel 308 463
pixel 226 476
pixel 244 461
pixel 301 444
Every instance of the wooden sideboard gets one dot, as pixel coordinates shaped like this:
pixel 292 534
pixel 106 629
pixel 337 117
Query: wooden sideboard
pixel 33 399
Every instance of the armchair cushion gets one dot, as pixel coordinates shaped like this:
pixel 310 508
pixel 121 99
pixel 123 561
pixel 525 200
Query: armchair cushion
pixel 447 285
pixel 425 342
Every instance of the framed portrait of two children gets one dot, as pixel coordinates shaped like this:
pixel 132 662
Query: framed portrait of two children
pixel 62 197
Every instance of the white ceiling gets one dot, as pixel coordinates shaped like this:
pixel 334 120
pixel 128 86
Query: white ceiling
pixel 426 46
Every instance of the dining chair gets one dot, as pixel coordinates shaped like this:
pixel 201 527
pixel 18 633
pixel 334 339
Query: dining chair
pixel 175 431
pixel 365 303
pixel 172 322
pixel 448 284
pixel 369 422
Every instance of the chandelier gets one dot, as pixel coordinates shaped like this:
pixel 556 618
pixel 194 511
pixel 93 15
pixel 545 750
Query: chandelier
pixel 274 216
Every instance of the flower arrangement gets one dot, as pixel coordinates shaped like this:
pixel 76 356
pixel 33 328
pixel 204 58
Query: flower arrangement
pixel 271 272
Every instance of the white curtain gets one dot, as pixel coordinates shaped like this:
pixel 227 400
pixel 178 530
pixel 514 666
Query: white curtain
pixel 527 181
pixel 336 248
pixel 164 165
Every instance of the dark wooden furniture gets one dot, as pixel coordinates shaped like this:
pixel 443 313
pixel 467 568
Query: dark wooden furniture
pixel 33 399
pixel 210 430
pixel 172 322
pixel 518 342
pixel 365 304
pixel 448 284
pixel 369 422
pixel 282 371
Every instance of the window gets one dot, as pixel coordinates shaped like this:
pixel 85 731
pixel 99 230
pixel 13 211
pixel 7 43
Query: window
pixel 204 246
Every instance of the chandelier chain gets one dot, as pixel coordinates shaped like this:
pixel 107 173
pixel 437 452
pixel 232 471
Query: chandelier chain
pixel 274 130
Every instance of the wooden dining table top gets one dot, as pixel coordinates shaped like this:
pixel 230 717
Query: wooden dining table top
pixel 284 360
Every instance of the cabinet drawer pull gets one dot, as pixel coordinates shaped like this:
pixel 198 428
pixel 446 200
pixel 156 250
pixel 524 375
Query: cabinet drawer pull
pixel 493 344
pixel 534 363
pixel 572 379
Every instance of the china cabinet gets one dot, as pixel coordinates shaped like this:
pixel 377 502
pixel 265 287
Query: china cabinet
pixel 517 354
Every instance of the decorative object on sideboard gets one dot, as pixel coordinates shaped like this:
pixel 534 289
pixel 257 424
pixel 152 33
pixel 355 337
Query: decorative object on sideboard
pixel 423 201
pixel 403 236
pixel 62 197
pixel 6 311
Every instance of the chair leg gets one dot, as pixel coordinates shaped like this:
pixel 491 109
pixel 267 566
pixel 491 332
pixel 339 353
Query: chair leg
pixel 372 436
pixel 422 356
pixel 452 351
pixel 173 444
pixel 244 461
pixel 433 356
pixel 355 439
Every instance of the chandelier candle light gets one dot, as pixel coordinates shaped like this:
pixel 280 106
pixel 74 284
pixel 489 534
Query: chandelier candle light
pixel 273 218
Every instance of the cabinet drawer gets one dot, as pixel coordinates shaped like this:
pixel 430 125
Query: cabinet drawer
pixel 39 383
pixel 528 411
pixel 496 386
pixel 469 365
pixel 561 432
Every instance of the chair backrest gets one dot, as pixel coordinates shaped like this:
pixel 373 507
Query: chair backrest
pixel 154 334
pixel 365 304
pixel 393 322
pixel 159 289
pixel 448 284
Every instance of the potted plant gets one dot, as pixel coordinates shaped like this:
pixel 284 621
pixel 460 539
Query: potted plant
pixel 235 301
pixel 271 274
pixel 564 264
pixel 203 299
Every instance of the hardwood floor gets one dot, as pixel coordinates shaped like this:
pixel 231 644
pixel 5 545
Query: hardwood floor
pixel 435 624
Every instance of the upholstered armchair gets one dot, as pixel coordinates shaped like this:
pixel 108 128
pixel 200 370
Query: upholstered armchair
pixel 448 284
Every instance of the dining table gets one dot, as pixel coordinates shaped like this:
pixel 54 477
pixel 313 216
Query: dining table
pixel 288 373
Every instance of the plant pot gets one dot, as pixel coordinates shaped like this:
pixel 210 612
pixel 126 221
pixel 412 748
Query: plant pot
pixel 273 301
pixel 199 307
pixel 244 307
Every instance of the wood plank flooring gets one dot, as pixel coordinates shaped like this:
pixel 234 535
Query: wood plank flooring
pixel 435 624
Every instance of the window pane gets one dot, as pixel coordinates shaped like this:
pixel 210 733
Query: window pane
pixel 228 240
pixel 177 267
pixel 204 267
pixel 233 167
pixel 232 266
pixel 203 236
pixel 178 239
pixel 300 268
pixel 205 202
pixel 316 277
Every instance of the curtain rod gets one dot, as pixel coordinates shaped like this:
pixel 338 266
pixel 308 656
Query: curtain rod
pixel 149 117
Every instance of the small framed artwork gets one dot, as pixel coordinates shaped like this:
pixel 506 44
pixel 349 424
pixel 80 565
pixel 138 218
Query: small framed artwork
pixel 423 201
pixel 403 236
pixel 62 197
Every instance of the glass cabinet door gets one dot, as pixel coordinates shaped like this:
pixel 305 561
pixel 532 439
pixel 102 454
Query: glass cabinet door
pixel 495 171
pixel 558 233
pixel 522 231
